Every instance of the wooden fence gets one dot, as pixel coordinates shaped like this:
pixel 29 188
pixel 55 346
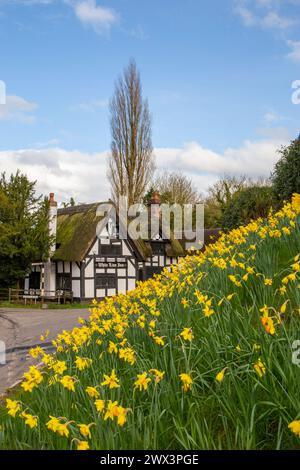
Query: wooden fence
pixel 4 295
pixel 35 295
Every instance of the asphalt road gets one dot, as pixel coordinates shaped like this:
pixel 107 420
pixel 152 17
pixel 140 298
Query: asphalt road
pixel 20 329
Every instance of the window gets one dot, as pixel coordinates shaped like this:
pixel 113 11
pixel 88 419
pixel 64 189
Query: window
pixel 112 249
pixel 158 248
pixel 106 281
pixel 63 281
pixel 34 280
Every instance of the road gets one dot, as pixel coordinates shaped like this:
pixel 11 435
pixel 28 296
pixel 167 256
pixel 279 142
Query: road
pixel 20 329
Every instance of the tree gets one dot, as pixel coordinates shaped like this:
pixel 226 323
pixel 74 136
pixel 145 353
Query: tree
pixel 24 233
pixel 71 203
pixel 223 190
pixel 247 204
pixel 286 176
pixel 131 162
pixel 219 195
pixel 175 187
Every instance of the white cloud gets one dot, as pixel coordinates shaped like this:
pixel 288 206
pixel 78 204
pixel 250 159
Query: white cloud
pixel 271 117
pixel 294 55
pixel 90 106
pixel 90 13
pixel 254 158
pixel 274 20
pixel 17 108
pixel 67 173
pixel 266 14
pixel 83 175
pixel 262 13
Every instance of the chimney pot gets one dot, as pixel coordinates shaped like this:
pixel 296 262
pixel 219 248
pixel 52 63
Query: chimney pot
pixel 51 200
pixel 155 198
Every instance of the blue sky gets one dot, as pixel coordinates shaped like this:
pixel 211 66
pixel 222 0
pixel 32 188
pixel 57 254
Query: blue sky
pixel 217 74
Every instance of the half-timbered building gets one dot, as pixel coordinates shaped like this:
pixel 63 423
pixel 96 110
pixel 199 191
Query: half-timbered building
pixel 91 260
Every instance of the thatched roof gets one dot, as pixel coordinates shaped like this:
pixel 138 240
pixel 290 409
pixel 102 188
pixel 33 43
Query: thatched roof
pixel 76 233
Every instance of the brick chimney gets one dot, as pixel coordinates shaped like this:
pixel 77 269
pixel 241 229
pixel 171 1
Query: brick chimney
pixel 154 204
pixel 52 221
pixel 154 215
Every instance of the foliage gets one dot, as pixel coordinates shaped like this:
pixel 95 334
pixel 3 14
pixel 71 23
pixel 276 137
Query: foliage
pixel 24 235
pixel 286 176
pixel 219 196
pixel 71 203
pixel 222 196
pixel 247 204
pixel 175 188
pixel 197 358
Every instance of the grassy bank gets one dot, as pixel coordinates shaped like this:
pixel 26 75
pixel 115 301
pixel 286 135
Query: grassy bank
pixel 199 358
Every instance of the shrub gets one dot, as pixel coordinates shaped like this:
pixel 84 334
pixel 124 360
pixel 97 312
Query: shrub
pixel 246 205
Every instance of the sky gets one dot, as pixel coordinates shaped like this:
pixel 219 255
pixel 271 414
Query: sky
pixel 218 75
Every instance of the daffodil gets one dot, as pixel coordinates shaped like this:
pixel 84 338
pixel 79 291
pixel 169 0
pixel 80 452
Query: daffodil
pixel 68 382
pixel 294 426
pixel 186 380
pixel 13 407
pixel 30 420
pixel 82 363
pixel 142 381
pixel 187 334
pixel 260 368
pixel 184 302
pixel 111 380
pixel 82 445
pixel 100 405
pixel 85 429
pixel 92 392
pixel 220 375
pixel 159 375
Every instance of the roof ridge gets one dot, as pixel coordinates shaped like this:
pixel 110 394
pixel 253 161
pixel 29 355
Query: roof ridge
pixel 79 208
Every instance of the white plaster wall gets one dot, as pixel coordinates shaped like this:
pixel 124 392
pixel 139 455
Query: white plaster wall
pixel 89 288
pixel 131 284
pixel 94 250
pixel 131 269
pixel 100 293
pixel 89 270
pixel 59 267
pixel 125 249
pixel 122 286
pixel 75 270
pixel 76 288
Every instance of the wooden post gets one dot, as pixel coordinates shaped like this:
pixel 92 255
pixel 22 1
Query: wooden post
pixel 42 283
pixel 9 295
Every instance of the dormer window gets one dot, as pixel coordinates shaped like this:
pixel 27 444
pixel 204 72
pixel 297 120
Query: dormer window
pixel 113 249
pixel 158 247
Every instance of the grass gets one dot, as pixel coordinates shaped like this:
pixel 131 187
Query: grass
pixel 226 319
pixel 38 305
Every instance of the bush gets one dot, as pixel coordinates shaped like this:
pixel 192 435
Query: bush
pixel 286 176
pixel 246 205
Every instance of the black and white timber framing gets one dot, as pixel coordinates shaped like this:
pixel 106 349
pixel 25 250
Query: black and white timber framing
pixel 109 266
